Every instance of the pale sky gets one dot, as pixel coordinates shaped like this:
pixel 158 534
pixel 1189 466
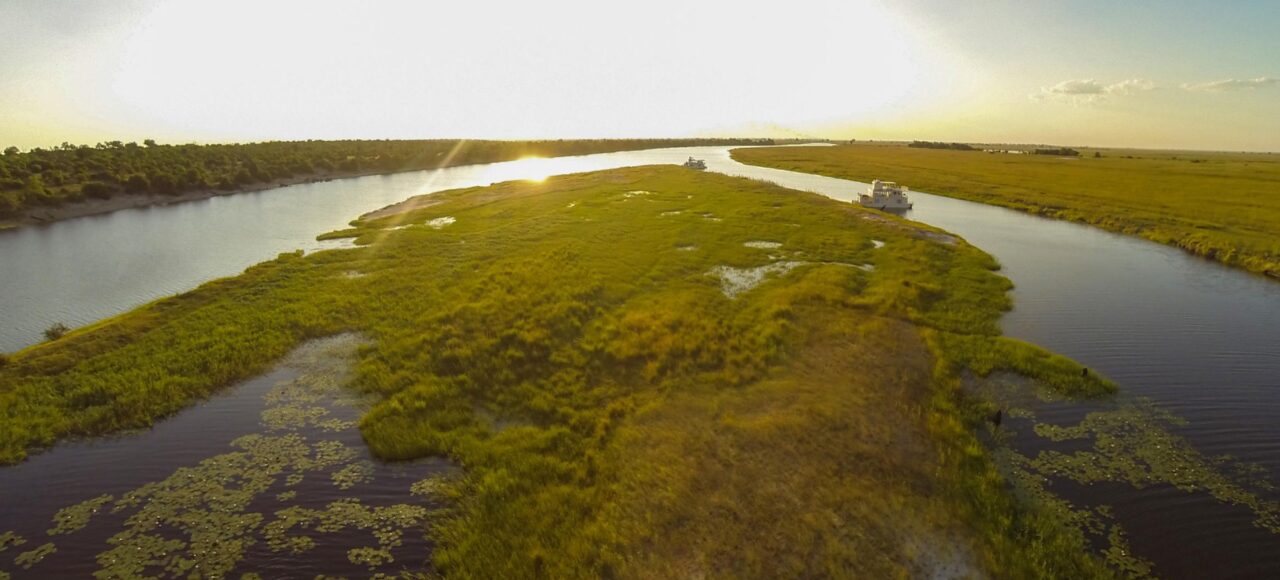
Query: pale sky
pixel 1149 73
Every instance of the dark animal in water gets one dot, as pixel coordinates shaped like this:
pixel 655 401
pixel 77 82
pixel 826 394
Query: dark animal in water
pixel 997 417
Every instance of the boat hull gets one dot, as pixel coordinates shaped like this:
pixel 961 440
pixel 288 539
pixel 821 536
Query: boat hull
pixel 885 206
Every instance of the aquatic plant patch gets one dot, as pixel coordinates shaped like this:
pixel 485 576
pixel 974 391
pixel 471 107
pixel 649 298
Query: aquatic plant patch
pixel 205 518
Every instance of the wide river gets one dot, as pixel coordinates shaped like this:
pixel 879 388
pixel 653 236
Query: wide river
pixel 1200 339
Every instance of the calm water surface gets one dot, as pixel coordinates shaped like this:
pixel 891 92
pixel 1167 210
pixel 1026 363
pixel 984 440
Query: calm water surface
pixel 1200 339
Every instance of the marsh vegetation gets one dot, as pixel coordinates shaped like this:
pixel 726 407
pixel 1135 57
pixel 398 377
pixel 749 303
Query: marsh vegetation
pixel 619 405
pixel 1224 206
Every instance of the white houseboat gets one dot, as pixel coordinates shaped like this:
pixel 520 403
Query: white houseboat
pixel 885 195
pixel 695 164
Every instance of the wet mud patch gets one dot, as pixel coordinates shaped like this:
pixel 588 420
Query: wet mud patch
pixel 735 281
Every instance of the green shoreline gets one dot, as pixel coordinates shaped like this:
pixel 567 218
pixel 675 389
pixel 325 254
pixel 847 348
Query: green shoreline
pixel 46 185
pixel 575 346
pixel 1219 206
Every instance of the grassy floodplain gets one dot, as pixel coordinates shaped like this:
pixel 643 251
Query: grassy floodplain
pixel 639 371
pixel 1224 206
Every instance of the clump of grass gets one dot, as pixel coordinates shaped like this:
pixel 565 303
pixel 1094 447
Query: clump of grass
pixel 55 331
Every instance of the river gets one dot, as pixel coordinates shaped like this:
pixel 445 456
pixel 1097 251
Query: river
pixel 1199 339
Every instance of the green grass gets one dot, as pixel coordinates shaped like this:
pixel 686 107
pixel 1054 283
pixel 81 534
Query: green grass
pixel 1224 206
pixel 614 412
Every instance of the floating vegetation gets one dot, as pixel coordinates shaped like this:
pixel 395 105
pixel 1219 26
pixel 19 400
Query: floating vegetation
pixel 431 487
pixel 1132 445
pixel 763 245
pixel 9 539
pixel 352 474
pixel 385 523
pixel 198 521
pixel 1098 522
pixel 1128 441
pixel 333 425
pixel 371 557
pixel 32 557
pixel 276 532
pixel 330 453
pixel 292 416
pixel 76 517
pixel 440 222
pixel 735 281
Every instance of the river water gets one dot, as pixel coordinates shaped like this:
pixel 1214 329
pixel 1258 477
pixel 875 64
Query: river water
pixel 1200 339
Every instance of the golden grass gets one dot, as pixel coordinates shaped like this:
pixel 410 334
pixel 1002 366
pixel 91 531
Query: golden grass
pixel 1224 206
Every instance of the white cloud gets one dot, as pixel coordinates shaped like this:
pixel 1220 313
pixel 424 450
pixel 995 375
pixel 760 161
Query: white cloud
pixel 1130 86
pixel 1232 84
pixel 1090 90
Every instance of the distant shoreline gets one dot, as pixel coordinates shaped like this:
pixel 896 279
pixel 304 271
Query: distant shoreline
pixel 91 207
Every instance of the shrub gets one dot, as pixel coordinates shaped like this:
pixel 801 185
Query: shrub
pixel 56 331
pixel 137 183
pixel 98 189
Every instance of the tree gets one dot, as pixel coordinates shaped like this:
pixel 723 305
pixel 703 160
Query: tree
pixel 137 183
pixel 11 150
pixel 149 142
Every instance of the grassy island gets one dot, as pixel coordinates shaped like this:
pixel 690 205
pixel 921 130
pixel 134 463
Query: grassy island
pixel 1224 206
pixel 643 372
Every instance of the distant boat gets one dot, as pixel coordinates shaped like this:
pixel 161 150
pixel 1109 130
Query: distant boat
pixel 885 195
pixel 698 164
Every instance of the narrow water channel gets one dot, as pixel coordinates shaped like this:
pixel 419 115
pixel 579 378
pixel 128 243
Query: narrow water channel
pixel 1199 340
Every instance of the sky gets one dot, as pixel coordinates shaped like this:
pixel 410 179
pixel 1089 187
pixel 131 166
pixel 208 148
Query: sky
pixel 1181 74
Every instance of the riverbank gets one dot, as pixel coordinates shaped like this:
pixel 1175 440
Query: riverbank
pixel 1222 206
pixel 89 207
pixel 669 338
pixel 45 185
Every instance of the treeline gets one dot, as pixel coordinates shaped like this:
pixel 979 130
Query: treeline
pixel 1060 152
pixel 70 173
pixel 941 145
